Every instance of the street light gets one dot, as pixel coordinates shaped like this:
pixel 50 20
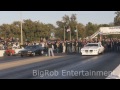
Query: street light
pixel 21 28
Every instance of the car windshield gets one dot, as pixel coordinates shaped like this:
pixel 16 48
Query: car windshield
pixel 30 47
pixel 92 45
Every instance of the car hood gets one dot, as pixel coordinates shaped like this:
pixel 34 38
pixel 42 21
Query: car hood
pixel 89 48
pixel 27 50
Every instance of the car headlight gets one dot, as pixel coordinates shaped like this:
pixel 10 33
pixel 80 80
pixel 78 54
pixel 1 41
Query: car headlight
pixel 19 52
pixel 29 51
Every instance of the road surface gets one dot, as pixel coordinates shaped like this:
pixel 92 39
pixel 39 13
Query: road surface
pixel 62 66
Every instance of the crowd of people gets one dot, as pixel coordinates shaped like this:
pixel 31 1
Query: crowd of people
pixel 9 43
pixel 74 46
pixel 111 44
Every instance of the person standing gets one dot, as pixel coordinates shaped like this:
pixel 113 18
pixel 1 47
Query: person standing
pixel 79 46
pixel 58 46
pixel 63 45
pixel 50 49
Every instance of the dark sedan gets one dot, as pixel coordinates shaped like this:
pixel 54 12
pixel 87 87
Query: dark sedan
pixel 32 50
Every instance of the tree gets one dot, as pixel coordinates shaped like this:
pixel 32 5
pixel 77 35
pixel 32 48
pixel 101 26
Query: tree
pixel 91 28
pixel 65 23
pixel 5 29
pixel 117 19
pixel 81 30
pixel 105 25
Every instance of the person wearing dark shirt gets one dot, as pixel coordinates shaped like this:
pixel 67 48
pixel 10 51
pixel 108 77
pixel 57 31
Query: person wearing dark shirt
pixel 79 46
pixel 50 49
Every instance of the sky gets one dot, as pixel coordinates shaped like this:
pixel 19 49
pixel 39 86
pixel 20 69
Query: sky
pixel 96 17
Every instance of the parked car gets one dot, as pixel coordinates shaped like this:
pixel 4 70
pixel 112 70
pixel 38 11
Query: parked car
pixel 10 52
pixel 31 51
pixel 92 49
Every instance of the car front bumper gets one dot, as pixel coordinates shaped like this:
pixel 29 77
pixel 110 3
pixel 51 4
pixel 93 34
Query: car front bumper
pixel 26 54
pixel 89 53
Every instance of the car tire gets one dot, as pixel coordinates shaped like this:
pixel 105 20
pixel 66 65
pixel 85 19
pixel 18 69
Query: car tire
pixel 98 53
pixel 21 55
pixel 42 52
pixel 102 52
pixel 11 54
pixel 34 54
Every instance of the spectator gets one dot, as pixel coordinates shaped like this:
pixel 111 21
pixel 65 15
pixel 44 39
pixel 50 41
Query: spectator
pixel 50 49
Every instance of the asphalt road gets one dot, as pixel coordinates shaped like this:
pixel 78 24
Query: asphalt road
pixel 62 66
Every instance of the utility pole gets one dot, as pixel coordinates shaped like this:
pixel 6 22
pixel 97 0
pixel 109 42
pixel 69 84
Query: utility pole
pixel 64 28
pixel 21 28
pixel 70 33
pixel 76 32
pixel 64 33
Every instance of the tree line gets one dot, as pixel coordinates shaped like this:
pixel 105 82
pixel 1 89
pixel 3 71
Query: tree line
pixel 34 30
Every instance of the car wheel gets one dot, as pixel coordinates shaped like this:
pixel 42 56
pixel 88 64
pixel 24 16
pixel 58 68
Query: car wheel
pixel 98 53
pixel 11 54
pixel 21 55
pixel 42 52
pixel 34 54
pixel 81 54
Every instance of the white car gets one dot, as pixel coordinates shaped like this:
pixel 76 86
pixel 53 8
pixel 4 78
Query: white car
pixel 92 49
